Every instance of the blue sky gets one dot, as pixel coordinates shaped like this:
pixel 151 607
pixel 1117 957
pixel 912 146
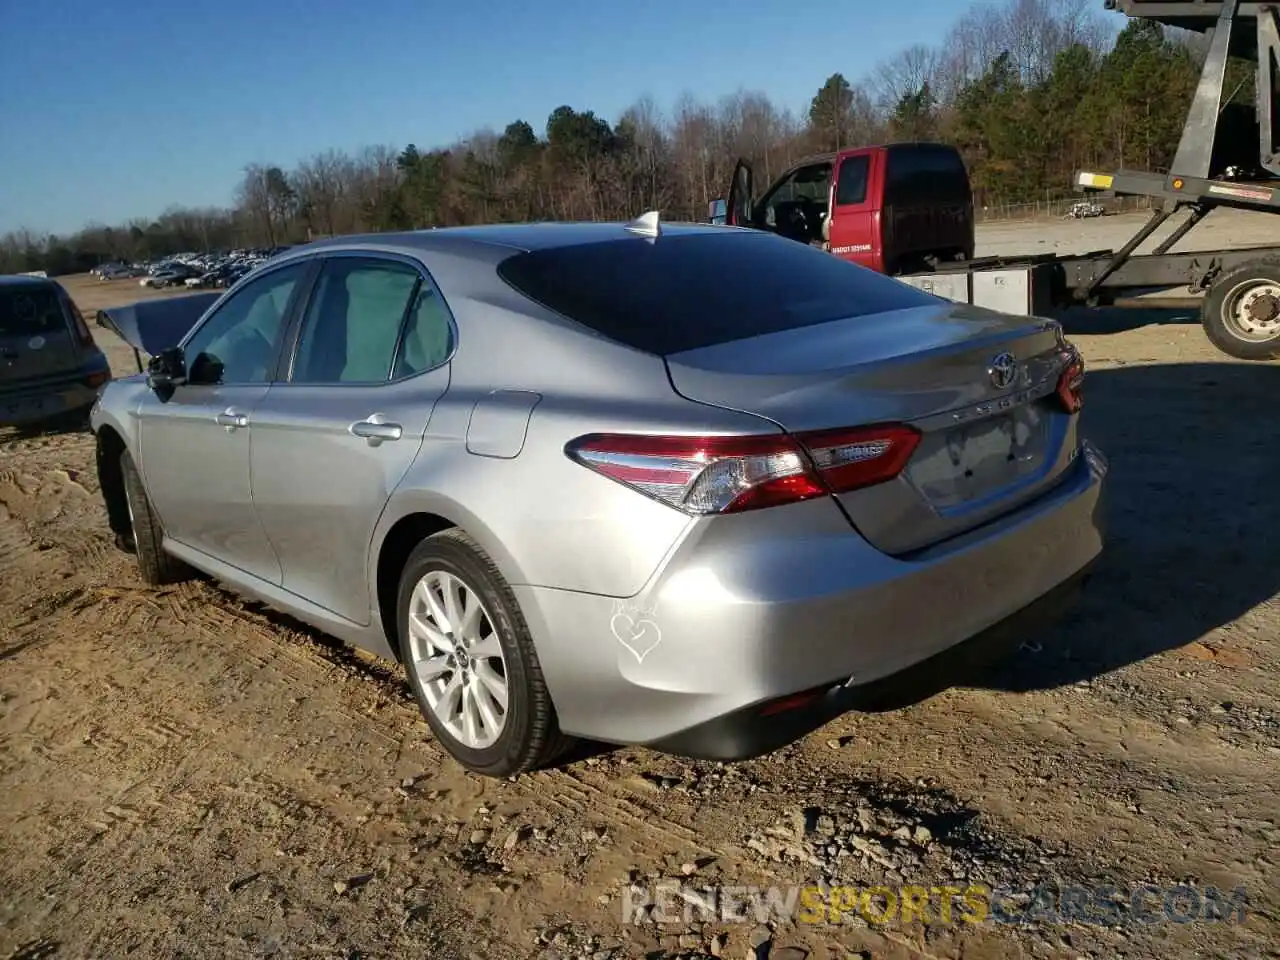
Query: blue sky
pixel 115 110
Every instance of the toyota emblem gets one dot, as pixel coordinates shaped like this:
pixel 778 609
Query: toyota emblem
pixel 1003 370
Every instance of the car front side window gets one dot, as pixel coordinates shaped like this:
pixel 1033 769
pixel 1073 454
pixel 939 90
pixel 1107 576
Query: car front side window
pixel 237 344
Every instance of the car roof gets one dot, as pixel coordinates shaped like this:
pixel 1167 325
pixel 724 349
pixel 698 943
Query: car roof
pixel 516 237
pixel 17 280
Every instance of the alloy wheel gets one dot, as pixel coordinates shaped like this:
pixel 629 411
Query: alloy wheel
pixel 457 659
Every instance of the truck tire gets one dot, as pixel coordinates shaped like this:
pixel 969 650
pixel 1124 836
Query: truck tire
pixel 1241 312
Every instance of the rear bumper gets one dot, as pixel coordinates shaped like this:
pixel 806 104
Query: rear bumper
pixel 40 400
pixel 767 604
pixel 762 728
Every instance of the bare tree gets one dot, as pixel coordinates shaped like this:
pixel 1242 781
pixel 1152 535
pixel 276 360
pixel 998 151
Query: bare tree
pixel 650 158
pixel 254 197
pixel 322 185
pixel 903 75
pixel 693 131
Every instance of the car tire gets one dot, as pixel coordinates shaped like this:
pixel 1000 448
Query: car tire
pixel 528 735
pixel 154 565
pixel 1229 322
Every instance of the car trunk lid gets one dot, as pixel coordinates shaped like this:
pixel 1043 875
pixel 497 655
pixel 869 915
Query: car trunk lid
pixel 36 338
pixel 978 385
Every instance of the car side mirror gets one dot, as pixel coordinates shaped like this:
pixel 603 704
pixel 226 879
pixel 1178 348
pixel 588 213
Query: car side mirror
pixel 206 369
pixel 718 211
pixel 166 371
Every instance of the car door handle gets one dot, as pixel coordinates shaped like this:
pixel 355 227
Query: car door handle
pixel 376 429
pixel 231 418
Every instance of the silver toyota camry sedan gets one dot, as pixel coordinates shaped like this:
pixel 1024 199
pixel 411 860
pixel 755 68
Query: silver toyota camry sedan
pixel 693 487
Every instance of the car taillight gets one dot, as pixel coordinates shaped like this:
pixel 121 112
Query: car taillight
pixel 1071 383
pixel 97 379
pixel 861 456
pixel 708 475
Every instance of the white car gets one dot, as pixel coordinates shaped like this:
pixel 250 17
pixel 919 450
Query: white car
pixel 1085 210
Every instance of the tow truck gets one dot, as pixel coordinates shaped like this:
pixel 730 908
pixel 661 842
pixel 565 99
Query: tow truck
pixel 1227 157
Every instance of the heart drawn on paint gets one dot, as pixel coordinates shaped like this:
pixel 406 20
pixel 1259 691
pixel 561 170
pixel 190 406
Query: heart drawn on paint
pixel 636 629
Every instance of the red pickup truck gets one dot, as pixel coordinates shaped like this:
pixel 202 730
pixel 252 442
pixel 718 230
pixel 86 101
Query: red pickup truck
pixel 896 208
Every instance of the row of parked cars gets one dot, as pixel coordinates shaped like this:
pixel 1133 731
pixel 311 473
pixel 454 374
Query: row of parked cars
pixel 119 271
pixel 191 270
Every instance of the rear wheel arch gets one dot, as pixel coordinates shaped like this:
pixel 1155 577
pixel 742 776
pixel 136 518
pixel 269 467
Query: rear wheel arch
pixel 419 515
pixel 410 529
pixel 394 552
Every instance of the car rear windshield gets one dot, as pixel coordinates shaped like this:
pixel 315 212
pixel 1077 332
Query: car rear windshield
pixel 28 310
pixel 679 293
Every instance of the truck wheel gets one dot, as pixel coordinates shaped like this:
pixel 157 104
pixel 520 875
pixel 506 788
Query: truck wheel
pixel 1241 313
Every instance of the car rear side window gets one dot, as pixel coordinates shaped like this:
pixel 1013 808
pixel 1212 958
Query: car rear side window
pixel 683 292
pixel 428 334
pixel 353 324
pixel 30 311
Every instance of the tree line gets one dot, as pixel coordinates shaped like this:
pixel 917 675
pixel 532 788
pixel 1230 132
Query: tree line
pixel 1029 90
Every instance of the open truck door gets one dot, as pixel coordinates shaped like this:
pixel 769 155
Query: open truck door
pixel 741 196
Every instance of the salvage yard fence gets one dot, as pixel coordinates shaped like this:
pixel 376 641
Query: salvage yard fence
pixel 1057 209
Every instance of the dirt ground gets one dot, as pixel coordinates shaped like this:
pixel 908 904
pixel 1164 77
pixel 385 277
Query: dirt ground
pixel 1222 228
pixel 188 775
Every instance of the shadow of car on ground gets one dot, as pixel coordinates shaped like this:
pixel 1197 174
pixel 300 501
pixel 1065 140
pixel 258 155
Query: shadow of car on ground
pixel 72 421
pixel 1100 321
pixel 1192 519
